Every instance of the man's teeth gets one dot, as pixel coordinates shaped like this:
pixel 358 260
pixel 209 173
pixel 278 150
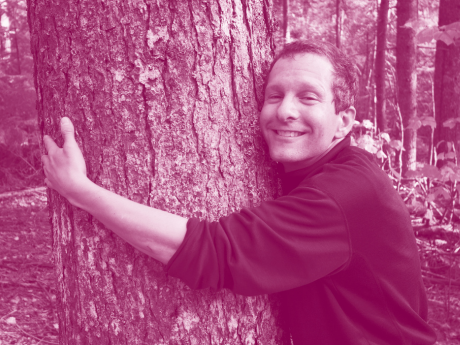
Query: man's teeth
pixel 289 133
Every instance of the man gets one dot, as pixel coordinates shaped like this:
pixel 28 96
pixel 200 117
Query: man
pixel 338 247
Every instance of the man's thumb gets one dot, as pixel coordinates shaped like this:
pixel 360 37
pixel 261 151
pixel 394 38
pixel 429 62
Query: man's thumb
pixel 67 130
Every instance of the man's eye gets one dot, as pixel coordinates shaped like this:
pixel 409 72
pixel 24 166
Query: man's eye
pixel 274 96
pixel 308 98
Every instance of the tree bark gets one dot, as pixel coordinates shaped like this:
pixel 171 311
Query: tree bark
pixel 407 78
pixel 164 97
pixel 380 59
pixel 447 77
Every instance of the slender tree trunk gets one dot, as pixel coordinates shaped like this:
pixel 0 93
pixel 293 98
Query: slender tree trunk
pixel 164 97
pixel 363 103
pixel 380 59
pixel 447 77
pixel 338 23
pixel 407 78
pixel 18 55
pixel 286 32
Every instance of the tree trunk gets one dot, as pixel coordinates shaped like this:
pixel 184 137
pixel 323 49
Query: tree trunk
pixel 338 23
pixel 164 98
pixel 447 77
pixel 380 59
pixel 286 32
pixel 407 78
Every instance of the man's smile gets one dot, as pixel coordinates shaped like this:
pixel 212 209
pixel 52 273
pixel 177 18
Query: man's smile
pixel 289 133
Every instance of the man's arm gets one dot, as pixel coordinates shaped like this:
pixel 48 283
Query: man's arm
pixel 154 232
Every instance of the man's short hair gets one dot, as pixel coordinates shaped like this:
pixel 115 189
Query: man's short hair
pixel 345 77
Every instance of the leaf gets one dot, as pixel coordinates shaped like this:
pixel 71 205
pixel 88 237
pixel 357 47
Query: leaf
pixel 450 123
pixel 367 124
pixel 430 197
pixel 446 39
pixel 415 24
pixel 452 26
pixel 396 144
pixel 381 154
pixel 428 215
pixel 431 171
pixel 429 121
pixel 438 35
pixel 385 136
pixel 447 173
pixel 11 320
pixel 414 123
pixel 453 33
pixel 427 35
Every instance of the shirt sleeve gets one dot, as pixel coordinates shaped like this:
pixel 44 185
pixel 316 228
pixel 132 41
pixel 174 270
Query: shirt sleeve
pixel 280 245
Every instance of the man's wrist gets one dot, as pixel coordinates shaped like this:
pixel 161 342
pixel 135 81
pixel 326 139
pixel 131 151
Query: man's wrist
pixel 81 193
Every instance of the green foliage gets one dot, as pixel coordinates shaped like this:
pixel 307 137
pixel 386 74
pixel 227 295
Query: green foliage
pixel 425 34
pixel 431 191
pixel 20 165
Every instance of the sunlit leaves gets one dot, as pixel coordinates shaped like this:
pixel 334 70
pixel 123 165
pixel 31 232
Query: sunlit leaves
pixel 385 136
pixel 451 122
pixel 447 33
pixel 427 35
pixel 396 144
pixel 367 143
pixel 430 171
pixel 367 124
pixel 414 123
pixel 429 121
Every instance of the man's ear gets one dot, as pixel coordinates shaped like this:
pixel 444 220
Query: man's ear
pixel 347 118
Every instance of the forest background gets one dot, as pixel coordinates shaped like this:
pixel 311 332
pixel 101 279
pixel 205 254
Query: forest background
pixel 418 150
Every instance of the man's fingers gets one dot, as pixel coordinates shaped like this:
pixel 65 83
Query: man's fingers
pixel 67 131
pixel 50 145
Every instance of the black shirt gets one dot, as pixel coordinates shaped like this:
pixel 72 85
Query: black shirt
pixel 338 248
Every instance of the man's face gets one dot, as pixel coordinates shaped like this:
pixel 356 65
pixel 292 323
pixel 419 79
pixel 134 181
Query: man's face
pixel 298 119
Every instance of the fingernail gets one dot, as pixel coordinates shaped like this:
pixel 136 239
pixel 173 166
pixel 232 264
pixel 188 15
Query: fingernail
pixel 64 120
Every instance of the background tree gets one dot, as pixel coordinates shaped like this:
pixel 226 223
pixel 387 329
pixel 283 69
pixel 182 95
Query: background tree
pixel 338 23
pixel 380 64
pixel 164 97
pixel 447 79
pixel 19 154
pixel 407 78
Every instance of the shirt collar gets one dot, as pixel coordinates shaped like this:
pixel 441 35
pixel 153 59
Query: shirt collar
pixel 293 178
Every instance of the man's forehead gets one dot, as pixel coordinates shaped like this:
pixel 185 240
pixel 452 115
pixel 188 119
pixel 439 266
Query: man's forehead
pixel 300 59
pixel 313 67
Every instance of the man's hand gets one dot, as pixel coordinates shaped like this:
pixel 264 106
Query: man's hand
pixel 154 232
pixel 65 168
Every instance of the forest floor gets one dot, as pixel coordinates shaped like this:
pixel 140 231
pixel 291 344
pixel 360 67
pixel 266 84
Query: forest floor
pixel 28 283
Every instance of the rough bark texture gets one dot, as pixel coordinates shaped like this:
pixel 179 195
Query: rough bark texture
pixel 380 59
pixel 164 96
pixel 407 78
pixel 447 77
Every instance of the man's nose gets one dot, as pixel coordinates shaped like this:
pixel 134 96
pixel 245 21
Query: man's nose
pixel 287 110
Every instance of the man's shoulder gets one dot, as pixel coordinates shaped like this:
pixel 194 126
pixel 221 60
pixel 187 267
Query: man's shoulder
pixel 352 173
